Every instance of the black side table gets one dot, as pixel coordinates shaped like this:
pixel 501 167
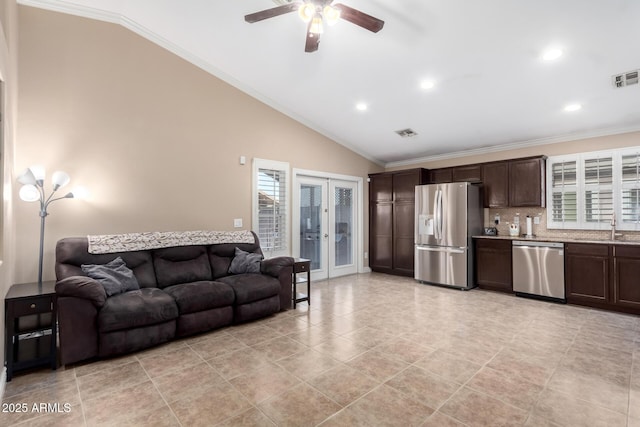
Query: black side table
pixel 301 265
pixel 30 326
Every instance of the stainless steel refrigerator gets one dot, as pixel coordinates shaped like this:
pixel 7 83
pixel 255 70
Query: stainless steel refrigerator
pixel 447 215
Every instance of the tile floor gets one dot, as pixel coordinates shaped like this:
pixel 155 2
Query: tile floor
pixel 373 350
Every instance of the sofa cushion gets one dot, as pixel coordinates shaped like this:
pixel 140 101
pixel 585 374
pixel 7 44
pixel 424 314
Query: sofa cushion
pixel 252 287
pixel 245 262
pixel 183 264
pixel 147 306
pixel 198 296
pixel 220 256
pixel 114 276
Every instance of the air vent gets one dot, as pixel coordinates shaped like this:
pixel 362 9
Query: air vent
pixel 625 79
pixel 406 133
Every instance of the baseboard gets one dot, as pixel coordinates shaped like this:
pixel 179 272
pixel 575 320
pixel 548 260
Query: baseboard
pixel 366 270
pixel 3 382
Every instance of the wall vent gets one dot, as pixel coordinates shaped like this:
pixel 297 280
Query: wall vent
pixel 406 133
pixel 625 79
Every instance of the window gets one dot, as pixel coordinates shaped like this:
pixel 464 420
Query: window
pixel 587 189
pixel 270 205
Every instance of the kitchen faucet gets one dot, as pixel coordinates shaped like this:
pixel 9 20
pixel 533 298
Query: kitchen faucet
pixel 613 228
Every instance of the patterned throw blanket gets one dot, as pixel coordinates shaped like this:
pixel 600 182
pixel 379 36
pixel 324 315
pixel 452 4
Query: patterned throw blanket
pixel 110 243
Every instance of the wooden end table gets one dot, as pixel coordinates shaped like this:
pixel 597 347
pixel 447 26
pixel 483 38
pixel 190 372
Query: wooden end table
pixel 301 265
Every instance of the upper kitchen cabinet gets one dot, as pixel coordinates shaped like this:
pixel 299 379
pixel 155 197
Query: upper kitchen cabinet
pixel 439 176
pixel 392 218
pixel 467 173
pixel 526 182
pixel 514 183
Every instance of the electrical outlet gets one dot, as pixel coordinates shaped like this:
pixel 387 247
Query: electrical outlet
pixel 366 255
pixel 536 220
pixel 497 219
pixel 237 223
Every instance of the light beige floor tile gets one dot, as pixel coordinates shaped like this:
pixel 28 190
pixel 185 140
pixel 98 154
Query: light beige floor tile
pixel 537 421
pixel 216 345
pixel 264 383
pixel 368 337
pixel 507 387
pixel 308 364
pixel 634 403
pixel 64 417
pixel 279 348
pixel 377 365
pixel 405 350
pixel 110 380
pixel 424 387
pixel 438 419
pixel 250 418
pixel 384 406
pixel 239 362
pixel 180 383
pixel 513 363
pixel 476 409
pixel 449 366
pixel 343 384
pixel 255 334
pixel 20 407
pixel 311 336
pixel 174 360
pixel 569 411
pixel 300 406
pixel 23 382
pixel 340 348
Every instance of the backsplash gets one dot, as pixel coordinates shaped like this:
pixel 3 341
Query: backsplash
pixel 540 230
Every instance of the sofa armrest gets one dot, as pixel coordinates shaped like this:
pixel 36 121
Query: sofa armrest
pixel 274 266
pixel 82 287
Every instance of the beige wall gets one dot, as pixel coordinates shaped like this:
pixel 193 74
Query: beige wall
pixel 578 146
pixel 8 63
pixel 155 139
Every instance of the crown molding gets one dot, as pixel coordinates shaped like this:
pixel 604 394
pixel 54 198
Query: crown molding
pixel 515 146
pixel 116 18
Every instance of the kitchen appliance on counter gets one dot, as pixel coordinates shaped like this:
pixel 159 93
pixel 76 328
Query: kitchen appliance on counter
pixel 447 215
pixel 538 269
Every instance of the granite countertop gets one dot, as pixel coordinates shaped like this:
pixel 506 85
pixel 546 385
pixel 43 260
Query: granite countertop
pixel 561 239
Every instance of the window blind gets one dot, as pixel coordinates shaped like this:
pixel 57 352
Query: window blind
pixel 598 189
pixel 564 190
pixel 272 209
pixel 630 203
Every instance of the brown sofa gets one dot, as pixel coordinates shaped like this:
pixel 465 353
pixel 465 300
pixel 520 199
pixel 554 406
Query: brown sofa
pixel 184 290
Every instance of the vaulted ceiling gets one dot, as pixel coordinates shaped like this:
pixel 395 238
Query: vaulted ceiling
pixel 491 86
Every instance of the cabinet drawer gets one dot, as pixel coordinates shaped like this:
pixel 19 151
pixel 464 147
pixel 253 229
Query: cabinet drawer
pixel 627 251
pixel 496 244
pixel 301 267
pixel 29 306
pixel 587 249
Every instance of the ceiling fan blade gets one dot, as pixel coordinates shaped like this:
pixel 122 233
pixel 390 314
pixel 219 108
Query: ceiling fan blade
pixel 270 13
pixel 361 19
pixel 313 40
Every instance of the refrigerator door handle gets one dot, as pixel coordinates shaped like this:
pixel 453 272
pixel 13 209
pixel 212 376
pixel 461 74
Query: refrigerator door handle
pixel 436 249
pixel 435 215
pixel 440 215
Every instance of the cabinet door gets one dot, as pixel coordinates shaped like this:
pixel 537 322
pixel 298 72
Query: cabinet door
pixel 403 237
pixel 526 182
pixel 380 188
pixel 467 173
pixel 493 264
pixel 404 185
pixel 626 271
pixel 381 236
pixel 495 180
pixel 438 176
pixel 587 274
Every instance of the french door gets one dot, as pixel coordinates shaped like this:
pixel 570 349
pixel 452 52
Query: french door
pixel 326 227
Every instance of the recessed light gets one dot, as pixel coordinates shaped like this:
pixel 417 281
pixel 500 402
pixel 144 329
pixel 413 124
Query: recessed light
pixel 427 84
pixel 361 106
pixel 572 107
pixel 551 54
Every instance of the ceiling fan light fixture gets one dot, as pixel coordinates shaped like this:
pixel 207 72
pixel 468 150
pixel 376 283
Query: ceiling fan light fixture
pixel 306 12
pixel 331 14
pixel 316 25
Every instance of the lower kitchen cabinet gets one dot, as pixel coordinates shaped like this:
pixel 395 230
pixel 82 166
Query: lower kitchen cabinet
pixel 493 264
pixel 626 276
pixel 587 273
pixel 603 276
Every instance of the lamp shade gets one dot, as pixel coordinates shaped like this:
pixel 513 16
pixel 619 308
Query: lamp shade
pixel 39 172
pixel 316 25
pixel 27 177
pixel 307 11
pixel 29 193
pixel 331 14
pixel 60 179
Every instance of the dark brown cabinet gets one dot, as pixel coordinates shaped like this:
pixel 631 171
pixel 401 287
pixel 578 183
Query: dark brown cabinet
pixel 587 273
pixel 493 264
pixel 626 276
pixel 439 176
pixel 467 173
pixel 527 182
pixel 391 220
pixel 495 183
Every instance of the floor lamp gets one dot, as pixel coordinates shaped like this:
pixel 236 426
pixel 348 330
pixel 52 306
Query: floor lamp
pixel 33 190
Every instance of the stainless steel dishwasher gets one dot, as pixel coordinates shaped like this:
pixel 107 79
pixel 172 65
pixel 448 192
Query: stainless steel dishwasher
pixel 538 269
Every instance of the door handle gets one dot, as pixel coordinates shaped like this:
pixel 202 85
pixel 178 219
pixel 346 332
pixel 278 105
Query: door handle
pixel 326 235
pixel 449 250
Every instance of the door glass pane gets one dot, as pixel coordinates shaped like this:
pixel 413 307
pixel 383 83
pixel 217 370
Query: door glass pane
pixel 310 223
pixel 344 223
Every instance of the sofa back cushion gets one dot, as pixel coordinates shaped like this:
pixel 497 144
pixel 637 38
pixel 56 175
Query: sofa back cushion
pixel 181 264
pixel 220 256
pixel 72 252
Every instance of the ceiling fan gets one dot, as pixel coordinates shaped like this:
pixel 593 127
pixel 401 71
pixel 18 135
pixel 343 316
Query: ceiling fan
pixel 317 12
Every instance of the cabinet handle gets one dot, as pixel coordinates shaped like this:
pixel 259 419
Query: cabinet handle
pixel 33 306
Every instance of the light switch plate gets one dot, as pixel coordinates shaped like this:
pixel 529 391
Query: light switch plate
pixel 237 222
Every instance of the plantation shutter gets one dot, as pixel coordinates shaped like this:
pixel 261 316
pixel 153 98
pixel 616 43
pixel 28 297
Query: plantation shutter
pixel 564 192
pixel 272 209
pixel 630 189
pixel 598 190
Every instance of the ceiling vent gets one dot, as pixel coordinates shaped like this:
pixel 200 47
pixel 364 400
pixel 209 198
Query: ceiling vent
pixel 625 79
pixel 406 133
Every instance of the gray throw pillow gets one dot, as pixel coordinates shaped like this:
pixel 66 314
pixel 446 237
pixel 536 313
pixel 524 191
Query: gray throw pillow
pixel 245 262
pixel 114 276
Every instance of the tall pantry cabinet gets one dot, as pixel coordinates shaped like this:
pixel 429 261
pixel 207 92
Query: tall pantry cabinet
pixel 392 218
